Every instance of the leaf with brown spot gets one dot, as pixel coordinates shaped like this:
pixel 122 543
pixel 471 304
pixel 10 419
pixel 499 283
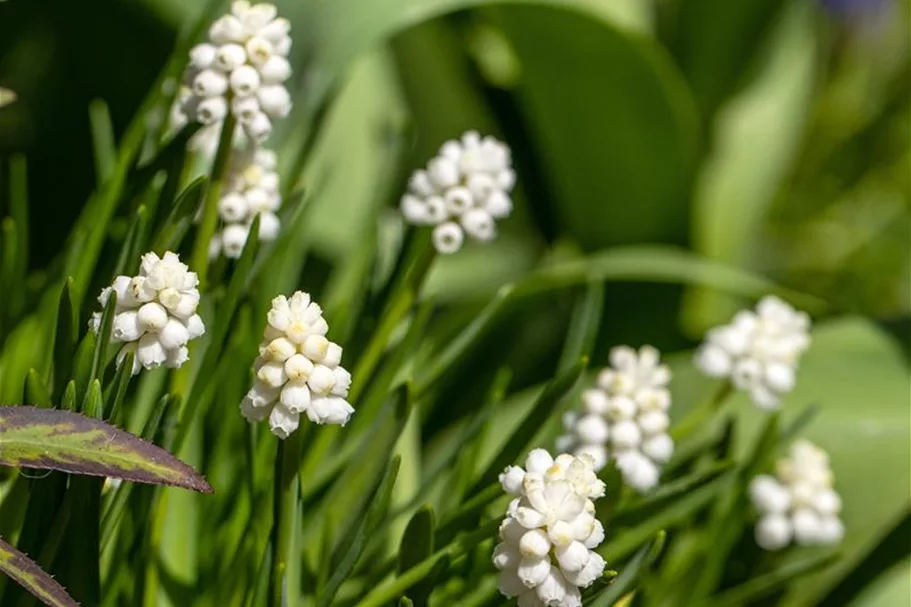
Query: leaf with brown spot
pixel 52 439
pixel 30 576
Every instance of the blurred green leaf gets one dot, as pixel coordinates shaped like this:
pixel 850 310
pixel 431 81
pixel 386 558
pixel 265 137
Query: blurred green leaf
pixel 65 337
pixel 764 585
pixel 103 143
pixel 772 113
pixel 6 97
pixel 612 122
pixel 417 545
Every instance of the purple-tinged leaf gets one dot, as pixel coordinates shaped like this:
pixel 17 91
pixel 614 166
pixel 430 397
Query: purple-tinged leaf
pixel 30 576
pixel 52 439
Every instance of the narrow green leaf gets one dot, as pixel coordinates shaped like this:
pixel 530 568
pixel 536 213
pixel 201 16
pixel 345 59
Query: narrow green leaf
pixel 68 400
pixel 630 572
pixel 763 585
pixel 583 326
pixel 450 526
pixel 543 408
pixel 386 591
pixel 36 392
pixel 352 545
pixel 50 439
pixel 64 337
pixel 103 142
pixel 9 237
pixel 82 365
pixel 128 260
pixel 171 232
pixel 417 545
pixel 103 337
pixel 118 390
pixel 677 512
pixel 31 577
pixel 640 508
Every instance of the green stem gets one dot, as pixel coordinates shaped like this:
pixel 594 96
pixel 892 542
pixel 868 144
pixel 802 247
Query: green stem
pixel 286 524
pixel 210 203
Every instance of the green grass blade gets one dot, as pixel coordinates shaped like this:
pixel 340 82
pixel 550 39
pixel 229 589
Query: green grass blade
pixel 629 573
pixel 544 407
pixel 352 546
pixel 102 140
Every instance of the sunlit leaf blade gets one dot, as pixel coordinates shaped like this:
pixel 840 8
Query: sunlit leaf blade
pixel 59 440
pixel 31 577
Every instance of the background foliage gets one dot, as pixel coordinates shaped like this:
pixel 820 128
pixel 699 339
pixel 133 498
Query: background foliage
pixel 673 150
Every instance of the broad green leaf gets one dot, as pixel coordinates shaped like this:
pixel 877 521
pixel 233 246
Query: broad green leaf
pixel 59 440
pixel 345 29
pixel 718 40
pixel 352 545
pixel 31 577
pixel 612 122
pixel 774 110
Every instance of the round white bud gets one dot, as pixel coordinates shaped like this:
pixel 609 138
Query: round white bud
pixel 773 532
pixel 479 224
pixel 229 57
pixel 274 100
pixel 259 128
pixel 659 448
pixel 259 50
pixel 244 80
pixel 209 83
pixel 458 200
pixel 448 237
pixel 152 317
pixel 202 55
pixel 245 109
pixel 233 239
pixel 233 208
pixel 592 429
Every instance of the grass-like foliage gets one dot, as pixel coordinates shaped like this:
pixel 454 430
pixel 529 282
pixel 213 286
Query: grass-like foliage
pixel 187 438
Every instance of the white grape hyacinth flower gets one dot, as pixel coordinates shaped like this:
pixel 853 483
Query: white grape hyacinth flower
pixel 625 418
pixel 241 69
pixel 251 190
pixel 298 370
pixel 546 553
pixel 463 191
pixel 799 503
pixel 758 351
pixel 155 315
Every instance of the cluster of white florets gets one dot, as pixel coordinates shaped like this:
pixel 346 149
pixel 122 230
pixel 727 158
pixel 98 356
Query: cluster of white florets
pixel 758 351
pixel 155 315
pixel 465 189
pixel 251 191
pixel 242 70
pixel 799 505
pixel 548 536
pixel 625 417
pixel 298 370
